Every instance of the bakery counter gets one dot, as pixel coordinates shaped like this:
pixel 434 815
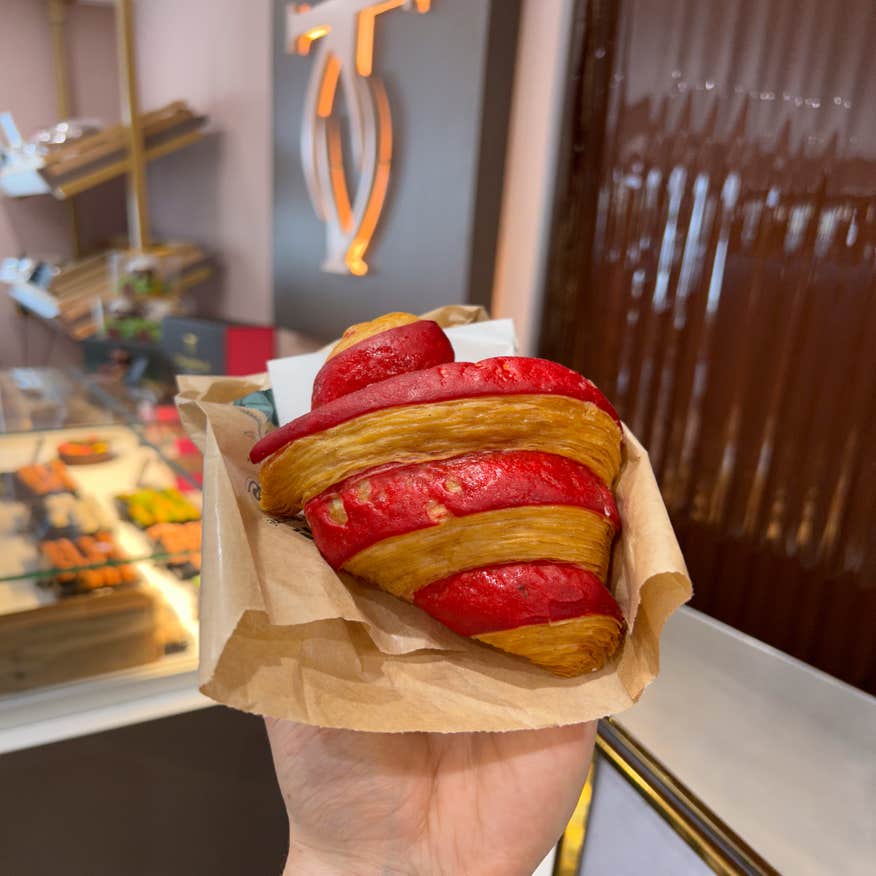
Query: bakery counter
pixel 161 689
pixel 781 752
pixel 99 575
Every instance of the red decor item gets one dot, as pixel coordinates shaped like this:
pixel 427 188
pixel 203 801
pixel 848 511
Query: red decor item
pixel 247 349
pixel 207 346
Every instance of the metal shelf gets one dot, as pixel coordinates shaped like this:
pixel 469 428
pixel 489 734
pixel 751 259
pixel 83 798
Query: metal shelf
pixel 69 300
pixel 93 160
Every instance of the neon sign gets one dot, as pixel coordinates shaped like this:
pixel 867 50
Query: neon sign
pixel 341 34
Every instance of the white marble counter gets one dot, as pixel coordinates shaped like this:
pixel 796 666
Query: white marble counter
pixel 781 752
pixel 51 714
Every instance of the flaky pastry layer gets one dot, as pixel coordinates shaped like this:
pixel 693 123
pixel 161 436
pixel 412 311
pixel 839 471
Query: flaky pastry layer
pixel 565 648
pixel 562 533
pixel 414 433
pixel 395 499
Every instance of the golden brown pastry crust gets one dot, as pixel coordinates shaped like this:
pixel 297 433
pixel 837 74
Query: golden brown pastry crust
pixel 565 648
pixel 552 423
pixel 521 565
pixel 405 563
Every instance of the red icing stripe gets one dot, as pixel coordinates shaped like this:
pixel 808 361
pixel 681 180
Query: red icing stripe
pixel 505 597
pixel 398 350
pixel 503 375
pixel 396 499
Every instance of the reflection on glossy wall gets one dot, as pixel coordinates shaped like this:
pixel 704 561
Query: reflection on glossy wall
pixel 714 261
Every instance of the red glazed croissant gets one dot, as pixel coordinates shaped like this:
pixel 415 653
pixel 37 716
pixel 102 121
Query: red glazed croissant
pixel 481 492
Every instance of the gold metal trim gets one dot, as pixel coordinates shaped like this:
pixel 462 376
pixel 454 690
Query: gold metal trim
pixel 198 275
pixel 172 144
pixel 706 843
pixel 58 22
pixel 117 168
pixel 138 203
pixel 571 845
pixel 90 180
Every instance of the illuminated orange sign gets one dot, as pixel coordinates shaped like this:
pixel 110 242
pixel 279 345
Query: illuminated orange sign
pixel 341 33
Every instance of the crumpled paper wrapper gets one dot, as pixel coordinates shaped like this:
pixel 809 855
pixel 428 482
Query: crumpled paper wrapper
pixel 284 635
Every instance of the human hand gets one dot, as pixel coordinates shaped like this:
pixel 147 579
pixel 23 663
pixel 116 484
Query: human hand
pixel 426 804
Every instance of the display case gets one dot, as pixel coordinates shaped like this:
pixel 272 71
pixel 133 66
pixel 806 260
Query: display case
pixel 99 534
pixel 34 399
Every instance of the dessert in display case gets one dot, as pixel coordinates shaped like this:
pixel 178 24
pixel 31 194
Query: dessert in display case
pixel 99 535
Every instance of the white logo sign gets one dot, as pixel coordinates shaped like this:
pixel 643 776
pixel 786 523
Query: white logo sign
pixel 342 32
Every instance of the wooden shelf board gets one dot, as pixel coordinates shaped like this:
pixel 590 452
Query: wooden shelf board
pixel 103 156
pixel 69 302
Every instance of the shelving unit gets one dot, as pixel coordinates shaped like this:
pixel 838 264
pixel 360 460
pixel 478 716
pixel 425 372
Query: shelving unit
pixel 80 286
pixel 93 160
pixel 72 293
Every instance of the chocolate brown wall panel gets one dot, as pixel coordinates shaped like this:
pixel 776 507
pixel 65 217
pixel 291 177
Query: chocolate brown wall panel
pixel 714 269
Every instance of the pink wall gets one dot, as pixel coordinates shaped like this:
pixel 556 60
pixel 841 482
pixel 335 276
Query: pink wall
pixel 27 89
pixel 530 167
pixel 216 54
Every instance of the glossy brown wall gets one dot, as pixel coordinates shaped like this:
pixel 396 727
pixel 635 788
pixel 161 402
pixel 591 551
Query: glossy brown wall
pixel 712 270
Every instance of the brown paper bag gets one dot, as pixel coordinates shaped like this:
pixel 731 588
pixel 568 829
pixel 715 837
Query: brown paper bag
pixel 284 635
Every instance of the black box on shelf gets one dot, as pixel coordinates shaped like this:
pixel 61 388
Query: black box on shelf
pixel 208 346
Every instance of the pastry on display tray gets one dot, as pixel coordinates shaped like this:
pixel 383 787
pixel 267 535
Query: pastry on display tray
pixel 65 515
pixel 147 507
pixel 33 481
pixel 85 451
pixel 184 541
pixel 87 550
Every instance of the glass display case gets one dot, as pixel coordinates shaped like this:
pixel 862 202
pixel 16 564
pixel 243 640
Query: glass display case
pixel 48 398
pixel 99 533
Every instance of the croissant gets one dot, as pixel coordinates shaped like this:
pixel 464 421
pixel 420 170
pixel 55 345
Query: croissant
pixel 480 492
